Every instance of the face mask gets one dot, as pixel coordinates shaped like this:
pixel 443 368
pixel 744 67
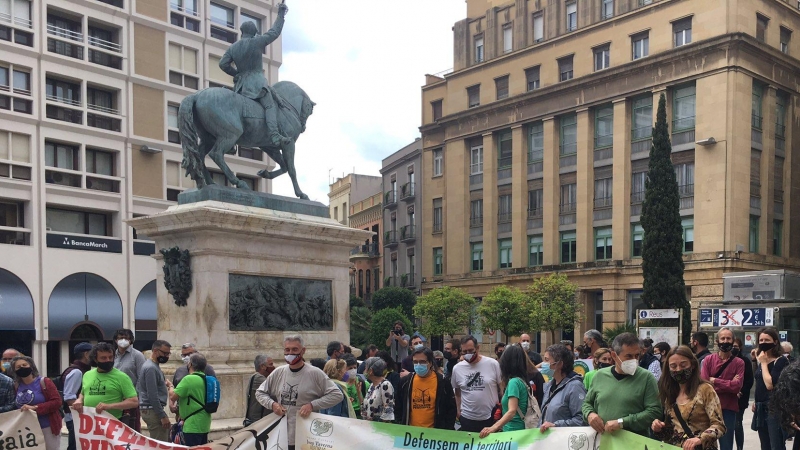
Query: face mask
pixel 421 369
pixel 577 355
pixel 766 346
pixel 123 343
pixel 349 374
pixel 6 366
pixel 23 372
pixel 162 359
pixel 725 347
pixel 545 369
pixel 185 359
pixel 291 359
pixel 439 362
pixel 468 357
pixel 418 346
pixel 735 351
pixel 658 356
pixel 105 366
pixel 629 366
pixel 681 376
pixel 603 365
pixel 526 346
pixel 499 355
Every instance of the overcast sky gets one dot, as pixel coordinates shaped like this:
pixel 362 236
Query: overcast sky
pixel 363 62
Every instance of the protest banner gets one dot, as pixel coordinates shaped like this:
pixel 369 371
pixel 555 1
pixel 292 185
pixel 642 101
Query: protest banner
pixel 104 432
pixel 20 430
pixel 320 432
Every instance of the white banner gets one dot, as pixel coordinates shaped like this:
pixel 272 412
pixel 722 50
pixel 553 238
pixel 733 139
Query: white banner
pixel 20 430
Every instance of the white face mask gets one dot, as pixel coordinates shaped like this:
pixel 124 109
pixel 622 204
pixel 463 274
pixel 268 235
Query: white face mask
pixel 291 359
pixel 526 346
pixel 123 343
pixel 629 366
pixel 468 357
pixel 185 359
pixel 658 356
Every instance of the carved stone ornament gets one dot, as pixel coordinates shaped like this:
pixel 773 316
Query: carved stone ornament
pixel 177 274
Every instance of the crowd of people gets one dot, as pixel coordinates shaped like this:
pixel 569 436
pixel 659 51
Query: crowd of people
pixel 687 396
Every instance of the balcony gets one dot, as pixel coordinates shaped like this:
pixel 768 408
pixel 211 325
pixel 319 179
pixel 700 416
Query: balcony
pixel 437 227
pixel 408 233
pixel 390 238
pixel 390 199
pixel 64 114
pixel 365 251
pixel 476 221
pixel 17 21
pixel 63 177
pixel 407 191
pixel 686 192
pixel 390 282
pixel 15 236
pixel 603 203
pixel 101 118
pixel 407 280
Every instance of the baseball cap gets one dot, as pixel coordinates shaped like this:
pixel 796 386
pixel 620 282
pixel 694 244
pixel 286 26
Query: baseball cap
pixel 82 347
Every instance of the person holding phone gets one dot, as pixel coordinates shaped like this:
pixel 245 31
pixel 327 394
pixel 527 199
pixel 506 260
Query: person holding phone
pixel 398 342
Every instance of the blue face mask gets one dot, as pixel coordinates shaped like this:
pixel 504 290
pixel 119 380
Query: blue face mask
pixel 421 369
pixel 545 369
pixel 6 366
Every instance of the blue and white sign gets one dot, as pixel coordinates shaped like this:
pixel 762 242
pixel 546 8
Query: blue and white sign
pixel 650 314
pixel 736 317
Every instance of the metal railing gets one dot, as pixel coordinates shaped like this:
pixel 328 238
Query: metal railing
pixel 407 190
pixel 567 208
pixel 390 198
pixel 183 9
pixel 504 162
pixel 105 45
pixel 686 190
pixel 407 232
pixel 603 202
pixel 756 121
pixel 21 21
pixel 407 280
pixel 103 109
pixel 437 227
pixel 67 101
pixel 476 221
pixel 637 197
pixel 535 213
pixel 504 217
pixel 390 237
pixel 64 33
pixel 224 23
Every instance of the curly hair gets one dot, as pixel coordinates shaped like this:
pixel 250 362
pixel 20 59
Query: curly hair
pixel 784 400
pixel 103 347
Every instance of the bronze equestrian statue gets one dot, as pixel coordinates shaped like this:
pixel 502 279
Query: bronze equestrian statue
pixel 214 120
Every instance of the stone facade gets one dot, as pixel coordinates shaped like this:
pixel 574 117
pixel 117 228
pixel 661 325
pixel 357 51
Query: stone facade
pixel 366 258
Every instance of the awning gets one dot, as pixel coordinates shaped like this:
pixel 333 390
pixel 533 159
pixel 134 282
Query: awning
pixel 146 313
pixel 81 298
pixel 16 304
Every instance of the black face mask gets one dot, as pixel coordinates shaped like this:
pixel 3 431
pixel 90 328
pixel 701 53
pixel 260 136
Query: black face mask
pixel 766 346
pixel 725 347
pixel 105 366
pixel 162 359
pixel 23 372
pixel 602 365
pixel 735 351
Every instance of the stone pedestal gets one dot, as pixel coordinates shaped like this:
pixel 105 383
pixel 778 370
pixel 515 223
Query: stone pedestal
pixel 229 241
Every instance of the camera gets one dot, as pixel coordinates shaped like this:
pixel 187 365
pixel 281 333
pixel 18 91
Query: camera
pixel 397 332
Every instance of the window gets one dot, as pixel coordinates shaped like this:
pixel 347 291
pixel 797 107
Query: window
pixel 477 256
pixel 476 213
pixel 777 237
pixel 780 116
pixel 436 109
pixel 569 247
pixel 572 16
pixel 62 156
pixel 565 68
pixel 754 234
pixel 682 31
pixel 602 57
pixel 538 28
pixel 182 11
pixel 12 215
pixel 478 49
pixel 602 243
pixel 603 192
pixel 173 134
pixel 569 198
pixel 683 108
pixel 688 234
pixel 17 87
pixel 684 175
pixel 786 37
pixel 15 156
pixel 569 134
pixel 535 203
pixel 183 66
pixel 474 95
pixel 637 187
pixel 640 44
pixel 535 142
pixel 508 44
pixel 222 15
pixel 476 160
pixel 63 92
pixel 535 250
pixel 504 208
pixel 504 245
pixel 184 6
pixel 637 236
pixel 100 162
pixel 20 11
pixel 504 150
pixel 761 28
pixel 607 9
pixel 501 84
pixel 176 181
pixel 243 18
pixel 438 261
pixel 645 2
pixel 438 162
pixel 757 117
pixel 79 222
pixel 642 118
pixel 604 127
pixel 532 78
pixel 437 215
pixel 101 100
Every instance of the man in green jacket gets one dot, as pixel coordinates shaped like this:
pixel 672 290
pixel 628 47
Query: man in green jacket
pixel 623 396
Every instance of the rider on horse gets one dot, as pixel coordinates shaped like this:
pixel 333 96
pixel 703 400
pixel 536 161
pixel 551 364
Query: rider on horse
pixel 248 73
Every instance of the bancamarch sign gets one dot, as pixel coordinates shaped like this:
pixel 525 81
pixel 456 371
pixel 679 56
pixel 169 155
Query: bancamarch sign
pixel 88 243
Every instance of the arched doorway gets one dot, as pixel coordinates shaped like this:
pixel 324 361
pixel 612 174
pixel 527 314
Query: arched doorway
pixel 82 304
pixel 17 328
pixel 146 317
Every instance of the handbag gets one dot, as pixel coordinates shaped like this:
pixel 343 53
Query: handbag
pixel 176 433
pixel 687 432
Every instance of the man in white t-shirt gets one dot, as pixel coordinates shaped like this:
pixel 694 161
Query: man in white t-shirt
pixel 476 382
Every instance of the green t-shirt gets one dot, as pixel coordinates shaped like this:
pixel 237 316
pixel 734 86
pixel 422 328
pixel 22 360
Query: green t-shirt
pixel 516 388
pixel 587 379
pixel 192 393
pixel 352 392
pixel 109 387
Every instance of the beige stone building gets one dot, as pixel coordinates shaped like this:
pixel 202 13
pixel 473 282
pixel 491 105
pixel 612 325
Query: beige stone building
pixel 536 145
pixel 366 259
pixel 89 91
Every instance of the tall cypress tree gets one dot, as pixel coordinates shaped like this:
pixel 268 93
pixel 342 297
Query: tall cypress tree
pixel 662 246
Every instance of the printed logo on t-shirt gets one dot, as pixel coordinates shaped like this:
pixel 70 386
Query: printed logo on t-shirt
pixel 474 382
pixel 289 395
pixel 24 397
pixel 421 399
pixel 98 388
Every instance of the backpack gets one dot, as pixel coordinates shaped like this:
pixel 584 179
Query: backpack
pixel 533 415
pixel 59 382
pixel 211 401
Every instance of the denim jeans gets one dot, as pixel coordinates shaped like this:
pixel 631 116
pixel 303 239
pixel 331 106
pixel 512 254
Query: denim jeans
pixel 771 436
pixel 739 430
pixel 729 417
pixel 71 438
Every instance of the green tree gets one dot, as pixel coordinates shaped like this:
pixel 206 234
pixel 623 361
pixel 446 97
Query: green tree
pixel 611 332
pixel 383 321
pixel 360 325
pixel 553 304
pixel 662 246
pixel 394 297
pixel 504 308
pixel 445 310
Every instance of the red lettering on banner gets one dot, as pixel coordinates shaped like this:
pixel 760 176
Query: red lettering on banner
pixel 85 444
pixel 141 441
pixel 100 425
pixel 112 428
pixel 86 424
pixel 95 443
pixel 128 436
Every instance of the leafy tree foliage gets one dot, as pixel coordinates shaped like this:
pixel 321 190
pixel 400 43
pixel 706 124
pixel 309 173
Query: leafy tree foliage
pixel 383 321
pixel 445 310
pixel 504 308
pixel 394 297
pixel 552 304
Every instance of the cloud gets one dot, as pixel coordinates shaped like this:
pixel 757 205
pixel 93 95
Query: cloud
pixel 363 62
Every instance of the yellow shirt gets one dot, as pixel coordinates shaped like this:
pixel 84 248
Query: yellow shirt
pixel 423 401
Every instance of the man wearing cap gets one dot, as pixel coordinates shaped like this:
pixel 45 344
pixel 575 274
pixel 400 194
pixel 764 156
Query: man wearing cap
pixel 187 350
pixel 72 379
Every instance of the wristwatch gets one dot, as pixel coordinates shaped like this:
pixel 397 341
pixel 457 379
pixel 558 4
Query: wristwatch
pixel 619 421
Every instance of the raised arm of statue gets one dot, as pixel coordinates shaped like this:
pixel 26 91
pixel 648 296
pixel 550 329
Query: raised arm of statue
pixel 226 64
pixel 273 33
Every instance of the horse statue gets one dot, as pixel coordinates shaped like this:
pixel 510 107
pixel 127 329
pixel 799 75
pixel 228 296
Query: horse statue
pixel 213 121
